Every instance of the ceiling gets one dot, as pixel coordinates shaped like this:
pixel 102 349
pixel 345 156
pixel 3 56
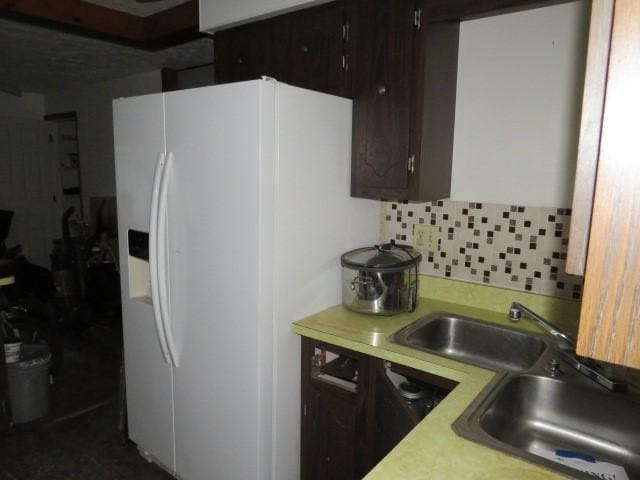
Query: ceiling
pixel 40 59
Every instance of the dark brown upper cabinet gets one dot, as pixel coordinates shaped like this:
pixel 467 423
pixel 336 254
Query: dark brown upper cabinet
pixel 397 59
pixel 316 49
pixel 245 53
pixel 399 68
pixel 306 48
pixel 404 81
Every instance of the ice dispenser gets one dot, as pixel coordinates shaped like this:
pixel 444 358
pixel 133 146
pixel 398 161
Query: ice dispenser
pixel 139 278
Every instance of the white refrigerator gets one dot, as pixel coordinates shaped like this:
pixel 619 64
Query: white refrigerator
pixel 233 210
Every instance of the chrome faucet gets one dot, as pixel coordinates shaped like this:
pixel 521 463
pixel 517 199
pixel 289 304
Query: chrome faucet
pixel 516 312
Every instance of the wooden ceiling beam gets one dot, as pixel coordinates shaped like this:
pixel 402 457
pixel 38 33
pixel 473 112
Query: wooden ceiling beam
pixel 169 27
pixel 78 16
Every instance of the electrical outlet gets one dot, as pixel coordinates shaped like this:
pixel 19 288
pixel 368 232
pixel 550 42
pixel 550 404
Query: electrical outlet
pixel 426 237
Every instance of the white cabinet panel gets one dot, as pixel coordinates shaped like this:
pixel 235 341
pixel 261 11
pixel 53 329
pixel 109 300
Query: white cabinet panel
pixel 219 14
pixel 518 106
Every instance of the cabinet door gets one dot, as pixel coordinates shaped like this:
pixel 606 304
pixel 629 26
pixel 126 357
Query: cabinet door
pixel 305 49
pixel 393 417
pixel 610 314
pixel 382 41
pixel 593 97
pixel 333 418
pixel 244 53
pixel 316 49
pixel 338 429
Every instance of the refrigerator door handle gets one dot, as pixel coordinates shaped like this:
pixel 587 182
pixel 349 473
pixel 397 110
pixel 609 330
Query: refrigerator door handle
pixel 153 255
pixel 162 259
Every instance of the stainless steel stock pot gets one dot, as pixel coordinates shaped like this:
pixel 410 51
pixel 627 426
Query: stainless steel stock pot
pixel 380 280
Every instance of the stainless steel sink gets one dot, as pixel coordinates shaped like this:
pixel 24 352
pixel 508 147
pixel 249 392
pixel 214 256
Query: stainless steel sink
pixel 538 401
pixel 472 341
pixel 529 412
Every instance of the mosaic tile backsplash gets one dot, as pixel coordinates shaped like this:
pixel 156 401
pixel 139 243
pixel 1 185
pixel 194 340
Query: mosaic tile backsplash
pixel 509 246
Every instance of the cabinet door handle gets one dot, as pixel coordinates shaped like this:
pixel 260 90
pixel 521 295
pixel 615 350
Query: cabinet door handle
pixel 239 60
pixel 304 49
pixel 382 89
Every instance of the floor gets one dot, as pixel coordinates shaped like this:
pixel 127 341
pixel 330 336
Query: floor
pixel 80 438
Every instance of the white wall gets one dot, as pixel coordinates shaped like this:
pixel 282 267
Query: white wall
pixel 517 109
pixel 95 126
pixel 27 105
pixel 30 185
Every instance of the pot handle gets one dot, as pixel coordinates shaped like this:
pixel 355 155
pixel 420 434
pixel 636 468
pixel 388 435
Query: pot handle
pixel 413 288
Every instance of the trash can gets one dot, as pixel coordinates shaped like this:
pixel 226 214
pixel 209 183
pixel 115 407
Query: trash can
pixel 29 383
pixel 12 351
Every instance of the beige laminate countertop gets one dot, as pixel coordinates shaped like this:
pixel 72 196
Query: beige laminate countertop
pixel 432 450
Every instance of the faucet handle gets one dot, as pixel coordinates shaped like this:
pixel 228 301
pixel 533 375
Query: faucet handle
pixel 595 372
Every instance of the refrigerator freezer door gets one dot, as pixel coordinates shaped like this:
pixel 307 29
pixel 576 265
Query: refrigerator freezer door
pixel 214 241
pixel 139 140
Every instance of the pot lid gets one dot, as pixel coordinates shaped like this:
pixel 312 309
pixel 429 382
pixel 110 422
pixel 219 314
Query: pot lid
pixel 381 257
pixel 411 391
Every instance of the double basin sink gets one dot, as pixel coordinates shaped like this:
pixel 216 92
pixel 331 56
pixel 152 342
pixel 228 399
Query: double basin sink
pixel 537 404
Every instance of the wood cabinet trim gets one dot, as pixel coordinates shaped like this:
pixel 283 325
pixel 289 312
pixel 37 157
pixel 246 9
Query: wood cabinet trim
pixel 590 132
pixel 444 10
pixel 610 315
pixel 437 110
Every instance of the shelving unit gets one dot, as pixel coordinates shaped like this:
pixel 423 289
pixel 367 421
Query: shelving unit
pixel 68 159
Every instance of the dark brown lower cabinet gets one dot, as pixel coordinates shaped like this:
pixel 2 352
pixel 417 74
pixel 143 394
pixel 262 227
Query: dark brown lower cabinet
pixel 333 412
pixel 352 411
pixel 393 417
